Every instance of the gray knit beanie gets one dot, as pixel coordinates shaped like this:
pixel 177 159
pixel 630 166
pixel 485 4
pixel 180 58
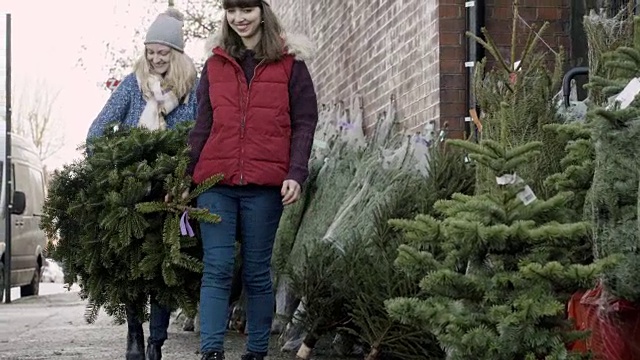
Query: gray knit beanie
pixel 166 29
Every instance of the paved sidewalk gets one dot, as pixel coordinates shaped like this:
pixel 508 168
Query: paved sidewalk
pixel 52 327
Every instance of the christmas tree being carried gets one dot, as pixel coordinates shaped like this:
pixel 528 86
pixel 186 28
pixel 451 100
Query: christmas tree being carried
pixel 117 236
pixel 498 266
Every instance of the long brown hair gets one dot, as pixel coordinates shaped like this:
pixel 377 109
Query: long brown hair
pixel 269 48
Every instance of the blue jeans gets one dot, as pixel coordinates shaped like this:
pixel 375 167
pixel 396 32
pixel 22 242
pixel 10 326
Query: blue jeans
pixel 159 317
pixel 256 212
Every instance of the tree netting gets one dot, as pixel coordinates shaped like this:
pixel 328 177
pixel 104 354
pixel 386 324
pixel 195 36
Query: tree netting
pixel 610 310
pixel 343 237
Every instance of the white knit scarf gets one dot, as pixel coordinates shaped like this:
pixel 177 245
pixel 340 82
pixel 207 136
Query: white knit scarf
pixel 160 102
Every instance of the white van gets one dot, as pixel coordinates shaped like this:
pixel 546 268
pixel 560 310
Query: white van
pixel 28 241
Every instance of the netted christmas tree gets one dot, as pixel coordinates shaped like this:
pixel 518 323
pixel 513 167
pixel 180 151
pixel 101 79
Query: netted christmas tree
pixel 380 280
pixel 498 268
pixel 343 290
pixel 290 223
pixel 117 236
pixel 613 199
pixel 604 34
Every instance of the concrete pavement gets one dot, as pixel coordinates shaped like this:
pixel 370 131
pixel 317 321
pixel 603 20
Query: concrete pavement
pixel 52 327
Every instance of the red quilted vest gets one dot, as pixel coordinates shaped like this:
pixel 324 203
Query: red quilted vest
pixel 250 137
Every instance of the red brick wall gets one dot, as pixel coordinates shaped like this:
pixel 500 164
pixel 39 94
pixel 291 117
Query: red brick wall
pixel 535 13
pixel 498 21
pixel 373 48
pixel 414 49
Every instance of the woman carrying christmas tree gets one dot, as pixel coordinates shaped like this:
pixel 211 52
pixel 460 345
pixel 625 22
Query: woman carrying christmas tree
pixel 257 114
pixel 159 94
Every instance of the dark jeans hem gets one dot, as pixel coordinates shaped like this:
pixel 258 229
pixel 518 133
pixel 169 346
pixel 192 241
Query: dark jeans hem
pixel 261 353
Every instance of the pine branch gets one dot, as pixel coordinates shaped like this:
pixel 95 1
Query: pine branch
pixel 91 311
pixel 483 296
pixel 514 35
pixel 117 240
pixel 204 186
pixel 152 207
pixel 491 47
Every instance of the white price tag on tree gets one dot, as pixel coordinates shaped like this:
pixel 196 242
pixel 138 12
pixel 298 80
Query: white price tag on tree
pixel 527 196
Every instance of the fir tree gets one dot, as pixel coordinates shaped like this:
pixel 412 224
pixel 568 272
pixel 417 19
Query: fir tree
pixel 613 198
pixel 378 280
pixel 523 81
pixel 290 224
pixel 319 282
pixel 577 165
pixel 343 289
pixel 576 176
pixel 497 270
pixel 617 67
pixel 605 34
pixel 118 238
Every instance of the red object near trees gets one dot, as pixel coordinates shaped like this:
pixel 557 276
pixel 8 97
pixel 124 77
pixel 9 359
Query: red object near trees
pixel 112 83
pixel 614 325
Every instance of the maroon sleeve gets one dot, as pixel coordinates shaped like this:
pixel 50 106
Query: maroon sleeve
pixel 204 119
pixel 304 119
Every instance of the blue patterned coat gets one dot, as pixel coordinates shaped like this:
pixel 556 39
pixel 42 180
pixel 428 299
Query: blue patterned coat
pixel 127 103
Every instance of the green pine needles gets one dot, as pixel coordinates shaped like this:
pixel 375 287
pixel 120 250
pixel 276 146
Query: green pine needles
pixel 577 165
pixel 497 269
pixel 116 236
pixel 517 99
pixel 612 202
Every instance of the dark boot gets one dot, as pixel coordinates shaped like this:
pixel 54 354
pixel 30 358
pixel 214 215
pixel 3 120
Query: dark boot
pixel 252 356
pixel 154 352
pixel 214 355
pixel 135 345
pixel 158 324
pixel 135 337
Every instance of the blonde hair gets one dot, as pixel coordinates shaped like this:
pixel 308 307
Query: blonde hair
pixel 180 78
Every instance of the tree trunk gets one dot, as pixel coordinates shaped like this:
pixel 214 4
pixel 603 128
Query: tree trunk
pixel 373 354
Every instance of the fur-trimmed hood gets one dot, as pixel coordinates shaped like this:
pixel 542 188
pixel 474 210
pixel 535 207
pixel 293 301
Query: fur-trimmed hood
pixel 298 45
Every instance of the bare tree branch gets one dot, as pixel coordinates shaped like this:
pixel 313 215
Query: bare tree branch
pixel 33 111
pixel 202 17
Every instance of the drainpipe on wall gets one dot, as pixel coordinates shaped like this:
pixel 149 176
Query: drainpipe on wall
pixel 475 52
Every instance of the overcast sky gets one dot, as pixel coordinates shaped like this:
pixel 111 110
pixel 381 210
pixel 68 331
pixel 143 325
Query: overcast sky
pixel 48 39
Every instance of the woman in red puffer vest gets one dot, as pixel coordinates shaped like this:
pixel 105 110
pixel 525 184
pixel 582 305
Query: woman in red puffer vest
pixel 256 118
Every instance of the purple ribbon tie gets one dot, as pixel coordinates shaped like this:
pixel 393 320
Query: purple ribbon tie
pixel 185 227
pixel 347 125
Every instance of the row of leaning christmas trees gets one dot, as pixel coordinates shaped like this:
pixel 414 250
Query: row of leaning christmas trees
pixel 405 246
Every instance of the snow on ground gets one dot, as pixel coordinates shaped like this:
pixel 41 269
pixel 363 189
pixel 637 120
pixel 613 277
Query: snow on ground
pixel 45 289
pixel 52 272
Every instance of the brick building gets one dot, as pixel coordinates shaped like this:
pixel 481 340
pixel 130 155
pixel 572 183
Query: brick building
pixel 413 49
